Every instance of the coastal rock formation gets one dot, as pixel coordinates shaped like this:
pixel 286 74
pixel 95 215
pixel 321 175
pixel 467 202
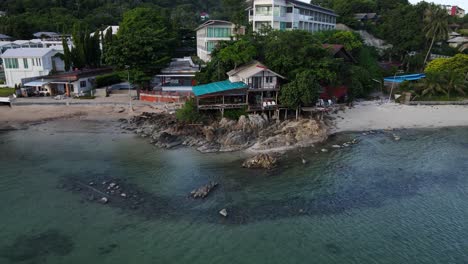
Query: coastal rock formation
pixel 261 161
pixel 203 191
pixel 253 132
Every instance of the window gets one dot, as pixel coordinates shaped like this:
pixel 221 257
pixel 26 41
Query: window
pixel 25 63
pixel 262 25
pixel 83 84
pixel 214 32
pixel 282 25
pixel 288 25
pixel 210 45
pixel 256 82
pixel 38 62
pixel 11 63
pixel 264 10
pixel 269 79
pixel 289 9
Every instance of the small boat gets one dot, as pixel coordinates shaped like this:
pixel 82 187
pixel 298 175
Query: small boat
pixel 7 100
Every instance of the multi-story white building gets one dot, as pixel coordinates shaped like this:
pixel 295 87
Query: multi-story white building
pixel 290 14
pixel 210 33
pixel 25 63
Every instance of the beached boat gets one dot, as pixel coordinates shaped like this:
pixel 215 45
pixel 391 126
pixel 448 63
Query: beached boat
pixel 8 99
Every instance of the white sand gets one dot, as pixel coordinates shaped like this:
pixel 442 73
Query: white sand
pixel 374 115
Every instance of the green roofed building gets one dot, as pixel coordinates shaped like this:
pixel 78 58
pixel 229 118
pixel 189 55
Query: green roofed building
pixel 252 86
pixel 221 95
pixel 218 87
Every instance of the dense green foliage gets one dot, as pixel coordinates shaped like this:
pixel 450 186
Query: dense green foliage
pixel 86 51
pixel 5 92
pixel 143 42
pixel 407 27
pixel 304 90
pixel 28 16
pixel 189 113
pixel 107 80
pixel 447 83
pixel 458 63
pixel 235 114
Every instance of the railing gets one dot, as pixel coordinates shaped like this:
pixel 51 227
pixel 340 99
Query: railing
pixel 221 106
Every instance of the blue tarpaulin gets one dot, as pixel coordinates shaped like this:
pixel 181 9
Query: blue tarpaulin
pixel 402 78
pixel 218 87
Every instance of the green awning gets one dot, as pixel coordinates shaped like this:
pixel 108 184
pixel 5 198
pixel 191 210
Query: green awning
pixel 218 87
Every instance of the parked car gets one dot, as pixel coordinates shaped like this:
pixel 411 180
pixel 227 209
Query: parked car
pixel 44 92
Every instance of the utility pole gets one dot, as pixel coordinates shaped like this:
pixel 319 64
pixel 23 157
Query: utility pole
pixel 129 87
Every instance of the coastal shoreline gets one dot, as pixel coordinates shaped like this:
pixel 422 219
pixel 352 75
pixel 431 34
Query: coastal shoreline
pixel 364 116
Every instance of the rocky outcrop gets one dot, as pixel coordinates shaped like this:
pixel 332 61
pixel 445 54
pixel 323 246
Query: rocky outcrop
pixel 253 132
pixel 260 161
pixel 292 134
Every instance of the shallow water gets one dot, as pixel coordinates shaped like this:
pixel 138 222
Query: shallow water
pixel 380 201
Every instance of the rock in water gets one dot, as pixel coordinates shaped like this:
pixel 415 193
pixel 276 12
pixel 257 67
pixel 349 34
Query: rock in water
pixel 104 200
pixel 203 191
pixel 260 161
pixel 223 212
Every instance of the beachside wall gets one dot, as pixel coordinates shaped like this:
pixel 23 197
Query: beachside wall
pixel 165 97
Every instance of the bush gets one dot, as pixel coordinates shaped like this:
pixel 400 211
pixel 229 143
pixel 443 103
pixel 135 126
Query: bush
pixel 458 63
pixel 107 80
pixel 235 114
pixel 189 113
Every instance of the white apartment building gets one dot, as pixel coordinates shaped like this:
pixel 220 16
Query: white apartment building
pixel 210 33
pixel 24 63
pixel 289 15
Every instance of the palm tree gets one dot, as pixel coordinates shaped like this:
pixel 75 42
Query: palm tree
pixel 454 81
pixel 431 85
pixel 436 25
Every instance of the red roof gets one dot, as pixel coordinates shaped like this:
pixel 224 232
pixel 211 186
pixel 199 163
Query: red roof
pixel 335 48
pixel 339 51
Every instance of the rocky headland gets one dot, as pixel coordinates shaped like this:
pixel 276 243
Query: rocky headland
pixel 253 133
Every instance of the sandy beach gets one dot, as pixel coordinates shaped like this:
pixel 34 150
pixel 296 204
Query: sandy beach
pixel 21 116
pixel 372 115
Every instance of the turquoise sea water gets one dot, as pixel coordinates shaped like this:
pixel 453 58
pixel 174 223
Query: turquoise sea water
pixel 380 201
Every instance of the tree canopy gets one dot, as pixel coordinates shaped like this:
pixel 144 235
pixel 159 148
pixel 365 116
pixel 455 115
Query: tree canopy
pixel 143 42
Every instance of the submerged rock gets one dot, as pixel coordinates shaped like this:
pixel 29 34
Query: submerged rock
pixel 260 161
pixel 203 191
